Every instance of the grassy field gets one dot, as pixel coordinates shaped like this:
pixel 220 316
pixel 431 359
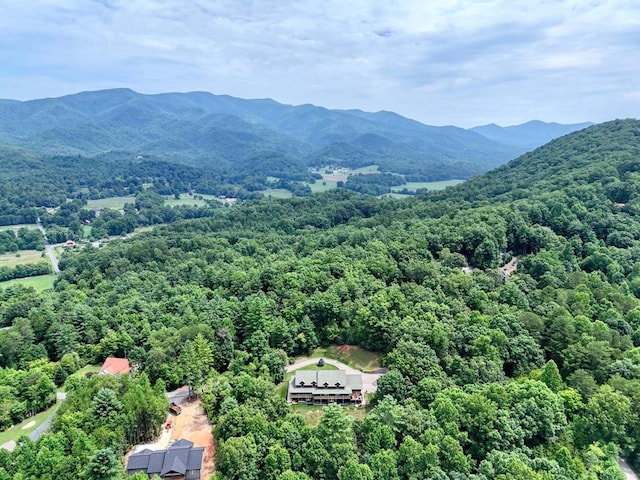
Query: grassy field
pixel 115 203
pixel 17 227
pixel 413 186
pixel 21 257
pixel 146 228
pixel 369 169
pixel 81 373
pixel 351 355
pixel 16 432
pixel 312 413
pixel 40 282
pixel 323 185
pixel 184 200
pixel 276 193
pixel 86 369
pixel 326 366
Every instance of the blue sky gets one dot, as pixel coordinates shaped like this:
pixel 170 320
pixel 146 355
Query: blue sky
pixel 460 62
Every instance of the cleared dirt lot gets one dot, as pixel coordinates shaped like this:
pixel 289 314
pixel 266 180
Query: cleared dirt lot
pixel 193 425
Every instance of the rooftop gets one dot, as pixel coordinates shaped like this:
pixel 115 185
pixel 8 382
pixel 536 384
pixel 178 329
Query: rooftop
pixel 115 366
pixel 178 458
pixel 318 380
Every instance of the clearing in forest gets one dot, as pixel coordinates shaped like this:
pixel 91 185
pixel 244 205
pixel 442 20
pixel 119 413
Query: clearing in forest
pixel 192 424
pixel 354 356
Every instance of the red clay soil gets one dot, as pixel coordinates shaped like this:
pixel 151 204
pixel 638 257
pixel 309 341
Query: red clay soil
pixel 510 267
pixel 345 348
pixel 193 425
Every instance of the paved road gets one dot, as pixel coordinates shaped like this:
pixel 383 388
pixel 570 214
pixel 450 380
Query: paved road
pixel 626 469
pixel 49 249
pixel 178 396
pixel 369 380
pixel 35 435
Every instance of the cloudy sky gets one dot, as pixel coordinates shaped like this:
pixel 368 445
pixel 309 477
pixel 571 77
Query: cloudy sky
pixel 460 62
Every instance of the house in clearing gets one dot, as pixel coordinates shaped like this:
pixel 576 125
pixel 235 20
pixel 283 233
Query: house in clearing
pixel 115 366
pixel 321 387
pixel 181 461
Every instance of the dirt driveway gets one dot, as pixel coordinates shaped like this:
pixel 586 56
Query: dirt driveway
pixel 193 425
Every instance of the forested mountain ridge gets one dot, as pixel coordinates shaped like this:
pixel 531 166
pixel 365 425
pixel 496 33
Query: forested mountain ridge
pixel 606 155
pixel 225 133
pixel 532 376
pixel 528 135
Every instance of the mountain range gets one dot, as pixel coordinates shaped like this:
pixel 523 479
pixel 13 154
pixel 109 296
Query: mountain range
pixel 233 136
pixel 528 135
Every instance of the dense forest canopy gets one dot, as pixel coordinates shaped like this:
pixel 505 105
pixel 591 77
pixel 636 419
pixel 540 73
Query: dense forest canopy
pixel 529 375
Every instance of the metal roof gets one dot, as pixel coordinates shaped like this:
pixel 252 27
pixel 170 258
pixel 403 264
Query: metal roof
pixel 314 381
pixel 179 457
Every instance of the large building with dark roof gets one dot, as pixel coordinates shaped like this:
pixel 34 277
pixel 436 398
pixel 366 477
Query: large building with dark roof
pixel 181 461
pixel 321 387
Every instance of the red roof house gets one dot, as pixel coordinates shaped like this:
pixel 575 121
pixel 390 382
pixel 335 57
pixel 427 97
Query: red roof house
pixel 115 366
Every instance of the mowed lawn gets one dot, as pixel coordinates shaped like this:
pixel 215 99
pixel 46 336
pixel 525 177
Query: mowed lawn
pixel 39 282
pixel 114 203
pixel 21 257
pixel 81 373
pixel 313 413
pixel 17 227
pixel 351 355
pixel 17 431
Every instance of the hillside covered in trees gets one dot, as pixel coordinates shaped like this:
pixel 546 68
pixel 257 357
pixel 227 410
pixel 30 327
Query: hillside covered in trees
pixel 535 375
pixel 234 137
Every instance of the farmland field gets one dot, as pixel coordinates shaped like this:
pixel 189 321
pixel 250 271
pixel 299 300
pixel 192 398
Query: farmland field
pixel 413 186
pixel 322 185
pixel 21 257
pixel 114 203
pixel 276 193
pixel 40 282
pixel 17 227
pixel 184 200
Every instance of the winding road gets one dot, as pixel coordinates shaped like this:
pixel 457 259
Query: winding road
pixel 49 249
pixel 626 469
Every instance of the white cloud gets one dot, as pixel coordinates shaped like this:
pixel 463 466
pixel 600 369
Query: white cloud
pixel 458 62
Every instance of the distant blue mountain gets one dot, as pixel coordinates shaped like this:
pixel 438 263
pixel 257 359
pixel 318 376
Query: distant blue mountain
pixel 528 135
pixel 224 133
